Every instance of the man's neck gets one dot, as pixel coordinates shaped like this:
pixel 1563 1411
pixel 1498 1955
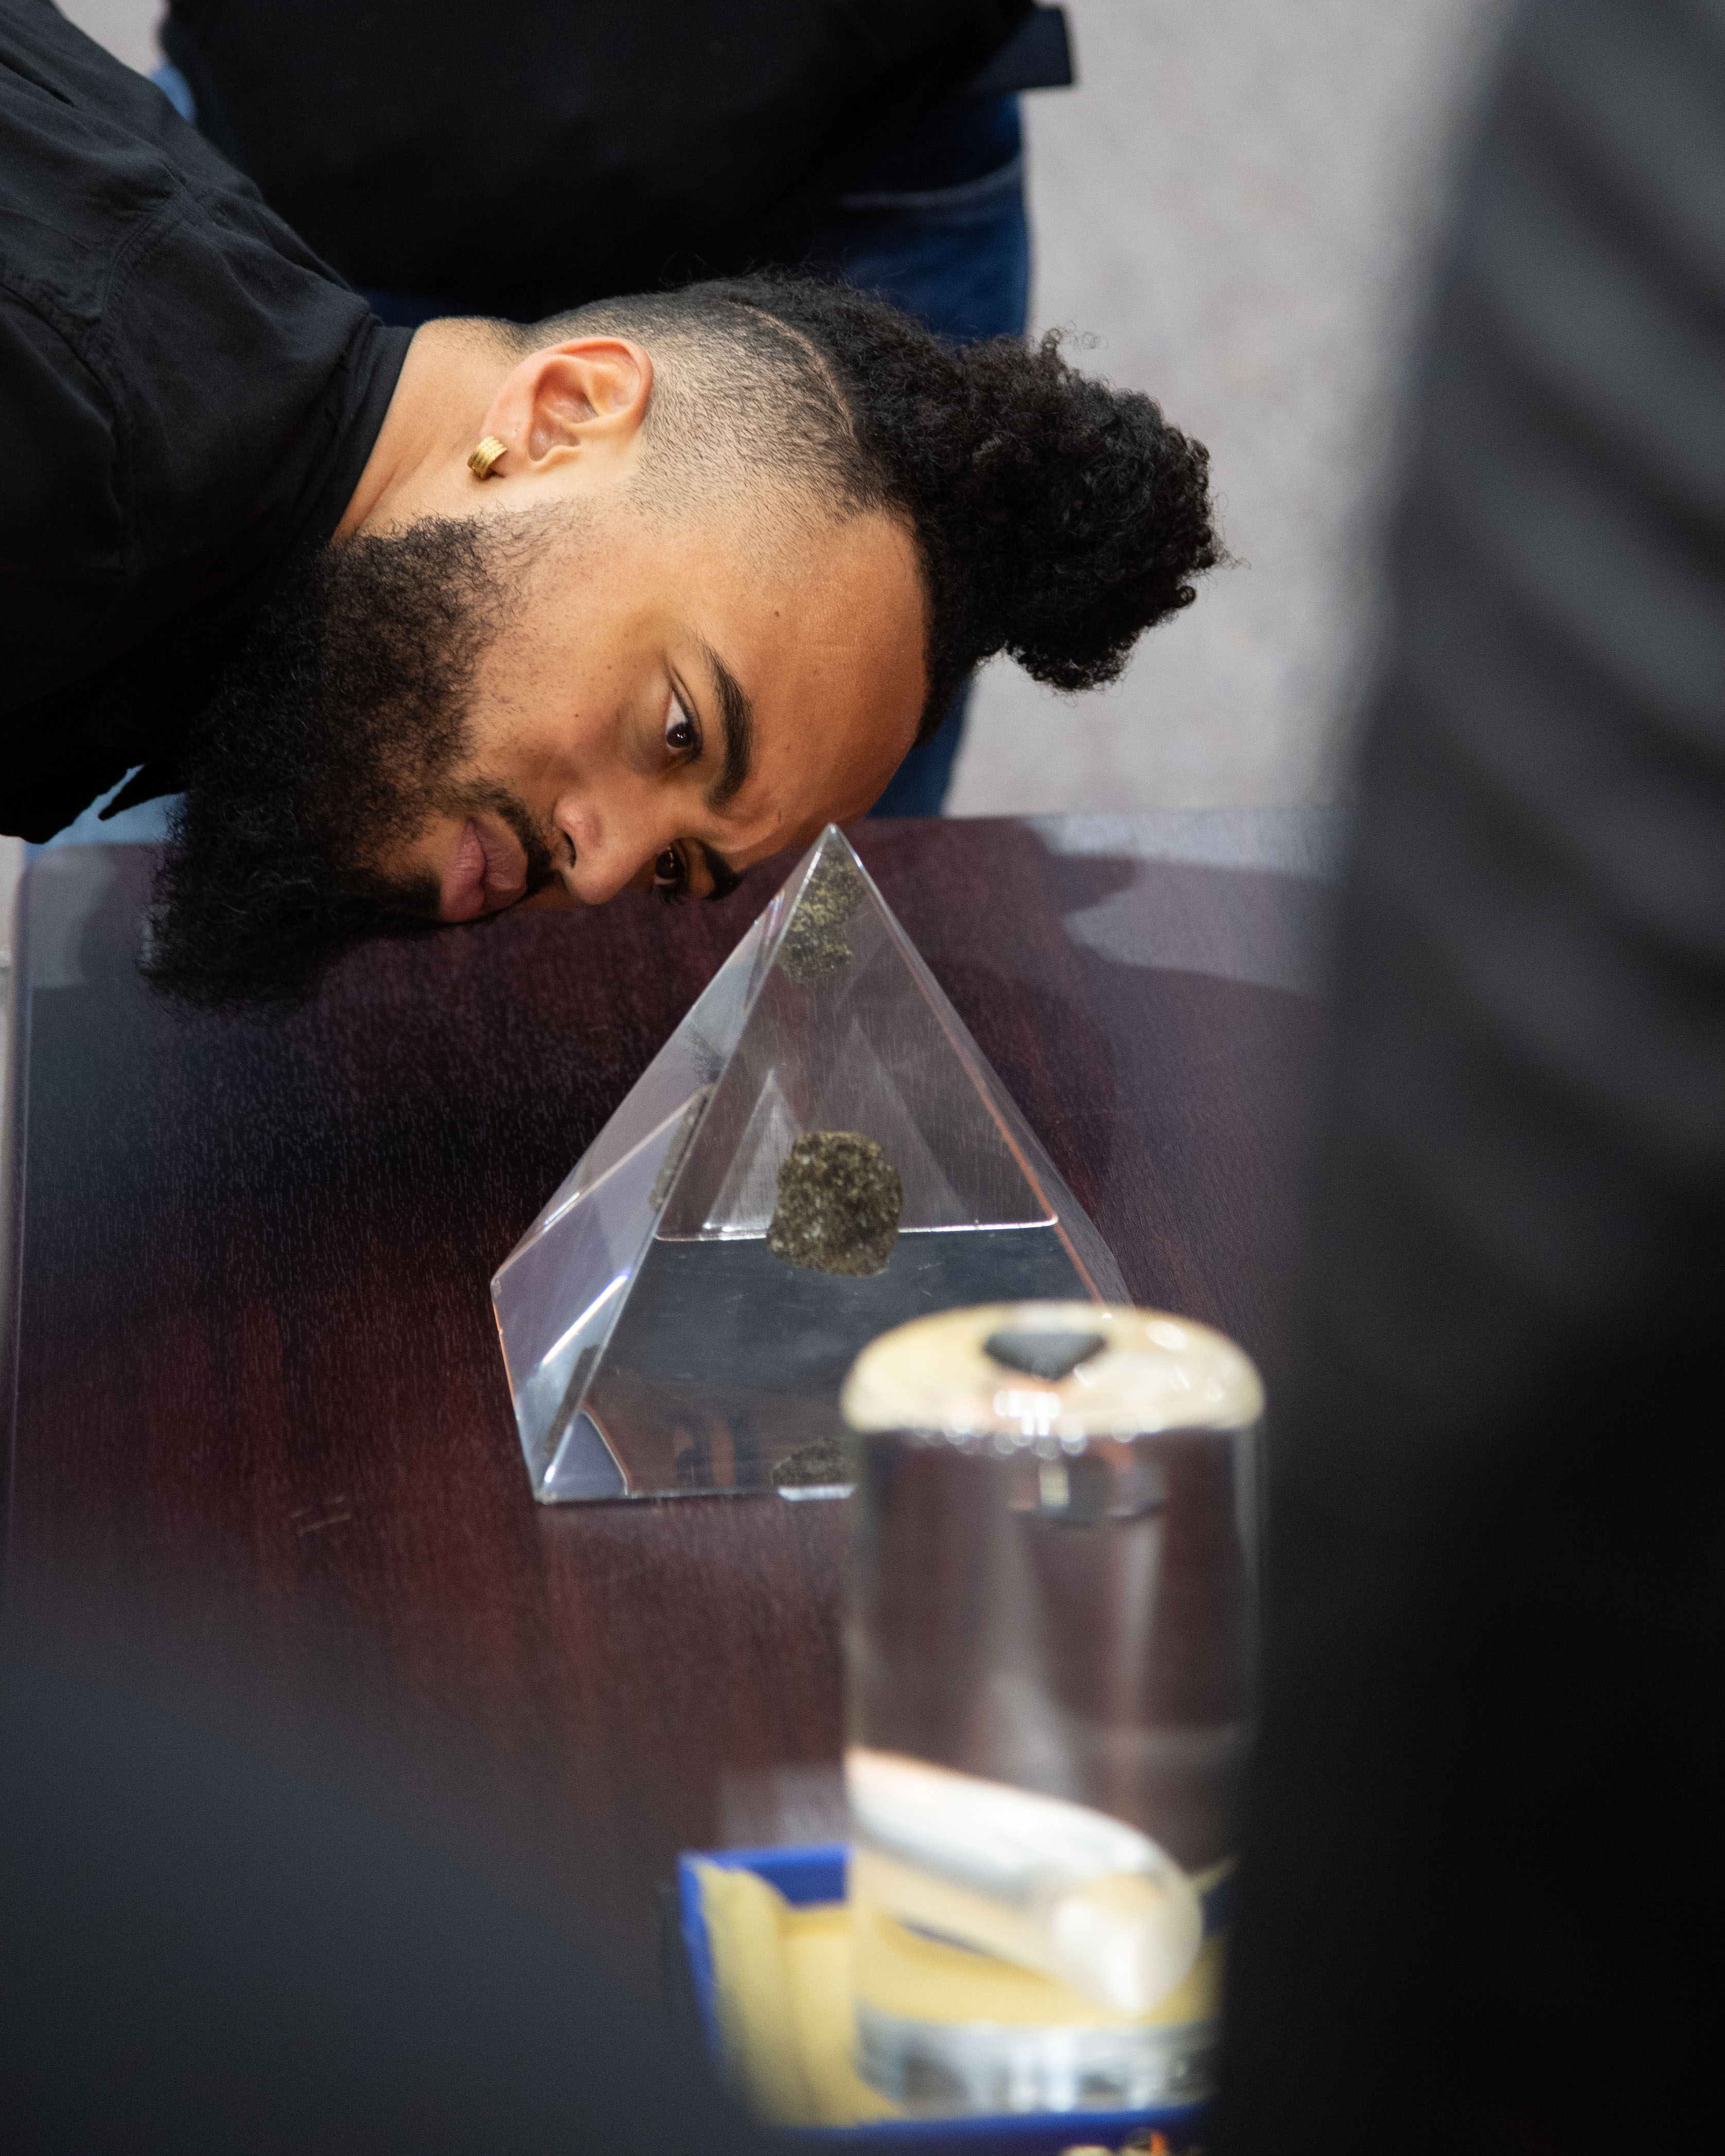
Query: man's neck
pixel 418 463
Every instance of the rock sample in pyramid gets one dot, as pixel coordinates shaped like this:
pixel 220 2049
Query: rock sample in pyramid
pixel 656 1346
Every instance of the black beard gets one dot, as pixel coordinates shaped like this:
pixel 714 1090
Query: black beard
pixel 331 737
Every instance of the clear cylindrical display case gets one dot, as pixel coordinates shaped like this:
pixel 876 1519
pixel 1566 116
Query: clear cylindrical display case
pixel 1049 1653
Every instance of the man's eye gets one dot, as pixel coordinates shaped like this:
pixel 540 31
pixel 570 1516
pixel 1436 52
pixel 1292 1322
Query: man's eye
pixel 671 874
pixel 682 737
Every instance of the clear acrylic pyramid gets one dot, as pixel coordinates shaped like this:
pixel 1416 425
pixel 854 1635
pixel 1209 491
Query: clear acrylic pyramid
pixel 655 1345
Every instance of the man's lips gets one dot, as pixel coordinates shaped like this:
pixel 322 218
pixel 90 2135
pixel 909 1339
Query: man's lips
pixel 487 870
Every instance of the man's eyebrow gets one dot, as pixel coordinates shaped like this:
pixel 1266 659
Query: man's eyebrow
pixel 725 878
pixel 737 716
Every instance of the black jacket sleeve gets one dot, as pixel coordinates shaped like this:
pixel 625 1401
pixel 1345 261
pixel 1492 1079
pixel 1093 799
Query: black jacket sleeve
pixel 187 395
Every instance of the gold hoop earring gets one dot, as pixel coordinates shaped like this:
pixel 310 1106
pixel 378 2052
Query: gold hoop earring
pixel 485 455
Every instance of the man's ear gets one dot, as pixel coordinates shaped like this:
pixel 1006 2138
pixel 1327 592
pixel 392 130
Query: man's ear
pixel 583 400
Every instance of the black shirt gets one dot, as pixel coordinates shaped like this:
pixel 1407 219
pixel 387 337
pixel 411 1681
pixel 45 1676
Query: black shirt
pixel 187 396
pixel 526 156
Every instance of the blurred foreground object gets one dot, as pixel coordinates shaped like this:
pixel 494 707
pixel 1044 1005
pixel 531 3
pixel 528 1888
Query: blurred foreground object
pixel 221 1937
pixel 1048 1663
pixel 1481 1898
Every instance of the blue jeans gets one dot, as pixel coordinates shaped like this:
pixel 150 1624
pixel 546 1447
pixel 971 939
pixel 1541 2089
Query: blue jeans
pixel 958 257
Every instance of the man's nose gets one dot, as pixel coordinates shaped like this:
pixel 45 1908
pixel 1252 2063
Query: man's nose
pixel 611 846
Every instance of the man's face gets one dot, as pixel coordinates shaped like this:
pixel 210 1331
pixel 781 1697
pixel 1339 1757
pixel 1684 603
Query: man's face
pixel 663 704
pixel 540 690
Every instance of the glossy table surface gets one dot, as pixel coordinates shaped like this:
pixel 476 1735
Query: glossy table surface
pixel 252 1342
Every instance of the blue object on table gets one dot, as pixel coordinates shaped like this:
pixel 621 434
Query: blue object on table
pixel 816 1873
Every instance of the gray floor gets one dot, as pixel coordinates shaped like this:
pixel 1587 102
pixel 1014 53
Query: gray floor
pixel 1234 203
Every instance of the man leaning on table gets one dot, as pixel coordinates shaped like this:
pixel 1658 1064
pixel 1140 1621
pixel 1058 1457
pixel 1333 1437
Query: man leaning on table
pixel 428 625
pixel 370 132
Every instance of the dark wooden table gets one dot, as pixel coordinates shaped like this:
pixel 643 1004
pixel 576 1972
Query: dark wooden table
pixel 251 1341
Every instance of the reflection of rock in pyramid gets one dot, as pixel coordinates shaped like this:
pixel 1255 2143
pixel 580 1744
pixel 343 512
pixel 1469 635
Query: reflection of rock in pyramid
pixel 655 1344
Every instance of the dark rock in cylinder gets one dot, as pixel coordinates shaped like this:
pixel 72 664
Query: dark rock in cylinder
pixel 840 1198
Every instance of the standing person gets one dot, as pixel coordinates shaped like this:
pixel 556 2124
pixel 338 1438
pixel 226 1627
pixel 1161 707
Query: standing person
pixel 880 146
pixel 426 624
pixel 1483 1898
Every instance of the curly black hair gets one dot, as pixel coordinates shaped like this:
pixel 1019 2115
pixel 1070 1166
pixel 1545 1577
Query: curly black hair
pixel 1057 516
